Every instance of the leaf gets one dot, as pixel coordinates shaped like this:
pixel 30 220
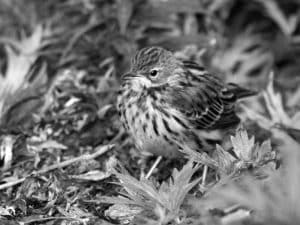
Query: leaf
pixel 167 198
pixel 218 5
pixel 242 145
pixel 174 192
pixel 225 160
pixel 274 199
pixel 247 154
pixel 74 212
pixel 176 6
pixel 275 109
pixel 94 175
pixel 6 211
pixel 294 99
pixel 263 152
pixel 6 151
pixel 198 157
pixel 39 145
pixel 123 212
pixel 22 84
pixel 19 64
pixel 287 25
pixel 274 104
pixel 190 25
pixel 246 54
pixel 124 12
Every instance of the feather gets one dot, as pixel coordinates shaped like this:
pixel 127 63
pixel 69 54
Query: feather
pixel 204 100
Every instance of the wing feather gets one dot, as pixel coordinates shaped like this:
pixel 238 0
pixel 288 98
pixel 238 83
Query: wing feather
pixel 203 99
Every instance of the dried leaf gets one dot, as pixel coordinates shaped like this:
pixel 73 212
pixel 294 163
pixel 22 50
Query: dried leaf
pixel 94 175
pixel 75 212
pixel 123 212
pixel 47 144
pixel 7 211
pixel 6 151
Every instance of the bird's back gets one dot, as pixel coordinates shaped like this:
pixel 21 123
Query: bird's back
pixel 204 100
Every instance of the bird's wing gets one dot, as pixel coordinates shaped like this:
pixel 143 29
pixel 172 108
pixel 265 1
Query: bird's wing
pixel 204 100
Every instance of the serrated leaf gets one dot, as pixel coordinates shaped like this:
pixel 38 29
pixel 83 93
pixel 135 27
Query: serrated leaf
pixel 20 91
pixel 263 150
pixel 175 190
pixel 169 196
pixel 274 199
pixel 198 157
pixel 243 145
pixel 275 108
pixel 224 159
pixel 19 64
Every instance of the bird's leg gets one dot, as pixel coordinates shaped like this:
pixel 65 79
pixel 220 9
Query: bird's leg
pixel 157 161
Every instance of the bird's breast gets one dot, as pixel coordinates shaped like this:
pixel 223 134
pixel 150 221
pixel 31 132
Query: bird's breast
pixel 154 126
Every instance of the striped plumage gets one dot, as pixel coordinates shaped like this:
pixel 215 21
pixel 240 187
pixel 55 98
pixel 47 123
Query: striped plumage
pixel 167 104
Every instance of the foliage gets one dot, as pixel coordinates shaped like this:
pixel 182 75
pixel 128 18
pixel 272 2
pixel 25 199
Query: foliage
pixel 164 202
pixel 60 68
pixel 273 200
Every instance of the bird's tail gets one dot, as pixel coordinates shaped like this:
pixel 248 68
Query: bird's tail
pixel 240 92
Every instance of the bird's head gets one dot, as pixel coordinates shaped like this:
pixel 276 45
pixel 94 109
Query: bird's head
pixel 152 66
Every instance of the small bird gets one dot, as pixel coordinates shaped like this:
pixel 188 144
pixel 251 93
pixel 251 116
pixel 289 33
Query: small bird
pixel 167 104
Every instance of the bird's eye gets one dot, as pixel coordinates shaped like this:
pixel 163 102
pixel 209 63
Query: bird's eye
pixel 153 73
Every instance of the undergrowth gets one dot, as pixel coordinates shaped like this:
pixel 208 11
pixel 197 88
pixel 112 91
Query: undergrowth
pixel 63 155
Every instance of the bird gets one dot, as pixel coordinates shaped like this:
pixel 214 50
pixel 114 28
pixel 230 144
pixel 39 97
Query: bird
pixel 167 104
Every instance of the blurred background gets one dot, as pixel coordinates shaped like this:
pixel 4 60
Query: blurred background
pixel 61 63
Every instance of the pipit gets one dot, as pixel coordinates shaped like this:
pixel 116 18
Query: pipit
pixel 168 105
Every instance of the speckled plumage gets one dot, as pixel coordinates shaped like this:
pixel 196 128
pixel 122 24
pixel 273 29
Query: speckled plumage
pixel 177 105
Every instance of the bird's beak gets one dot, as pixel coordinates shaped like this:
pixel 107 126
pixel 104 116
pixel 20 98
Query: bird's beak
pixel 129 76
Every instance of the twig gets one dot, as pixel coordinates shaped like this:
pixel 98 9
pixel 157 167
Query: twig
pixel 157 161
pixel 204 174
pixel 49 218
pixel 101 150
